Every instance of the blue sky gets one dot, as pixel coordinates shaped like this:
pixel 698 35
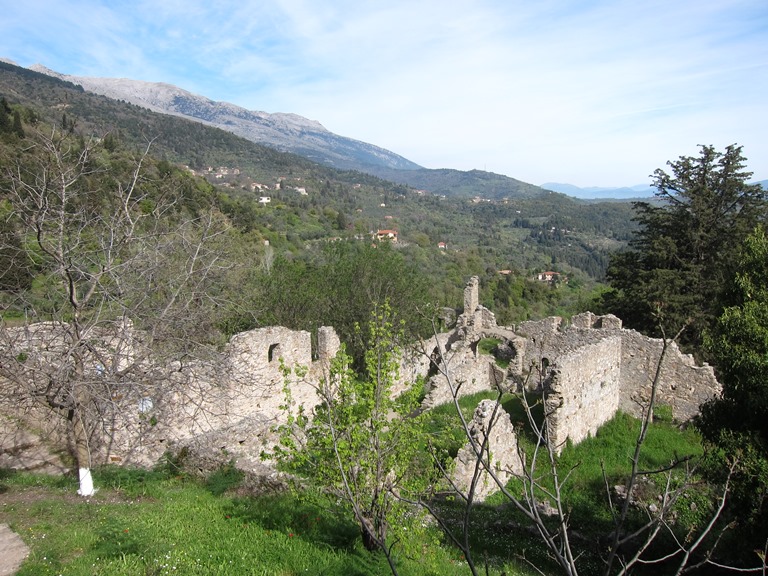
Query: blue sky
pixel 588 92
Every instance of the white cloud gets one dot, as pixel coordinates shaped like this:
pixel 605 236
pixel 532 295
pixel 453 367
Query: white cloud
pixel 593 93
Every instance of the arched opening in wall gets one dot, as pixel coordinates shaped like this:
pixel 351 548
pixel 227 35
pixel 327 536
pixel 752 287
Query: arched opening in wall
pixel 274 352
pixel 544 365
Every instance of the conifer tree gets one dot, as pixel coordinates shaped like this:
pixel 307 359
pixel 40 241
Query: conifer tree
pixel 679 263
pixel 737 422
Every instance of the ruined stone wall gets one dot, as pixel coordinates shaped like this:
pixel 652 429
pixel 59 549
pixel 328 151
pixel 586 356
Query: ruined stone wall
pixel 471 295
pixel 233 407
pixel 469 372
pixel 258 352
pixel 583 390
pixel 538 329
pixel 227 407
pixel 683 385
pixel 469 377
pixel 491 428
pixel 328 343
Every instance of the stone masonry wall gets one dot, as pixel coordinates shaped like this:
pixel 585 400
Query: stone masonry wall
pixel 683 385
pixel 233 408
pixel 584 391
pixel 500 441
pixel 226 409
pixel 594 368
pixel 471 295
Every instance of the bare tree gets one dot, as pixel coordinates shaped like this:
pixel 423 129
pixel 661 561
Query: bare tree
pixel 124 283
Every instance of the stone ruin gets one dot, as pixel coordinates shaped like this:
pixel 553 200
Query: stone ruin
pixel 212 412
pixel 491 434
pixel 589 369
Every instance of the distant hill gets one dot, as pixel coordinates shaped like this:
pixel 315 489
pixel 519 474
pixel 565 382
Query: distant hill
pixel 289 133
pixel 624 193
pixel 298 135
pixel 285 132
pixel 462 184
pixel 488 221
pixel 597 193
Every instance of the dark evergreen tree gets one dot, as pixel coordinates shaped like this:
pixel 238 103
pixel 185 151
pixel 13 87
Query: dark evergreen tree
pixel 16 268
pixel 679 262
pixel 5 116
pixel 17 128
pixel 737 422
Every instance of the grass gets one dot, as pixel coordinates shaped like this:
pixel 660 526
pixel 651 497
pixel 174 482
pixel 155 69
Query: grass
pixel 154 523
pixel 163 522
pixel 488 346
pixel 442 424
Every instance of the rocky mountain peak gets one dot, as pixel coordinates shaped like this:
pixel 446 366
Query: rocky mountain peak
pixel 285 131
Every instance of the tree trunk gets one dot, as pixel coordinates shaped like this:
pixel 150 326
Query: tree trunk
pixel 83 456
pixel 370 541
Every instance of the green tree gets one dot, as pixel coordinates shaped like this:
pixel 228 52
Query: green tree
pixel 16 268
pixel 5 116
pixel 341 288
pixel 737 422
pixel 680 260
pixel 361 441
pixel 17 129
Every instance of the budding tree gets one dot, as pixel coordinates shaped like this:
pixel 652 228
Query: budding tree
pixel 361 441
pixel 122 260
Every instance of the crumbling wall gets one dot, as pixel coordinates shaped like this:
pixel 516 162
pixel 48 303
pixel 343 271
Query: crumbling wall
pixel 328 344
pixel 583 390
pixel 590 320
pixel 233 407
pixel 469 372
pixel 538 330
pixel 494 436
pixel 471 295
pixel 593 367
pixel 683 385
pixel 227 406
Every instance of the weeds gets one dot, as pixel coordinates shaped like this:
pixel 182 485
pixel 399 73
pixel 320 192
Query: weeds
pixel 156 523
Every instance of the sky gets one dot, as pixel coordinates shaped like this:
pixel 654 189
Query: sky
pixel 585 92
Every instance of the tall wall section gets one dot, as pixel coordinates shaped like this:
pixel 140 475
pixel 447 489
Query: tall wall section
pixel 583 390
pixel 683 385
pixel 232 408
pixel 225 408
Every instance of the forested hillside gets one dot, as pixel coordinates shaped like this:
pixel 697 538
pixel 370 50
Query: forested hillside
pixel 304 205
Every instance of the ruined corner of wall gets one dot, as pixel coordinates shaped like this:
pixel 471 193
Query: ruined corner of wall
pixel 492 428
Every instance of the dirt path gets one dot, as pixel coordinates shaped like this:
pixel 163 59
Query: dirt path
pixel 13 551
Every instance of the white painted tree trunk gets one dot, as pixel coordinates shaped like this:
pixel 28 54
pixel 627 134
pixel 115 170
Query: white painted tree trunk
pixel 86 483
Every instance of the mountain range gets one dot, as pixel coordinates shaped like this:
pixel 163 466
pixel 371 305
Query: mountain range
pixel 310 139
pixel 308 201
pixel 285 132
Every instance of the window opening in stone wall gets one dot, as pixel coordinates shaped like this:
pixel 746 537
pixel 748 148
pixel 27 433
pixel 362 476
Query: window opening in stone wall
pixel 274 352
